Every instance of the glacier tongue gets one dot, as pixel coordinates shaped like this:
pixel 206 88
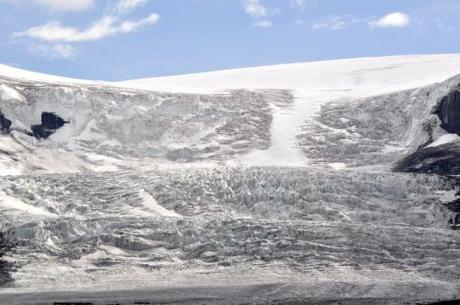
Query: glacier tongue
pixel 285 219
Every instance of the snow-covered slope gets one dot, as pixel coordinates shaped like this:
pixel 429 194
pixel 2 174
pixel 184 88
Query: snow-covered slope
pixel 262 127
pixel 25 75
pixel 346 77
pixel 314 84
pixel 366 76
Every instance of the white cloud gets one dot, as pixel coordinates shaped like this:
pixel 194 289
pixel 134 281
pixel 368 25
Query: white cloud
pixel 55 38
pixel 299 21
pixel 121 7
pixel 52 51
pixel 125 6
pixel 263 24
pixel 442 26
pixel 132 26
pixel 66 5
pixel 300 4
pixel 255 9
pixel 106 26
pixel 393 20
pixel 334 23
pixel 57 5
pixel 52 31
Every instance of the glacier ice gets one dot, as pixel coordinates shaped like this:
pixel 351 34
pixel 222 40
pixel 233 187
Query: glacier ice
pixel 157 189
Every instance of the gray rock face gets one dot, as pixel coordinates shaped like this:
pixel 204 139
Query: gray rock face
pixel 449 112
pixel 41 132
pixel 50 123
pixel 5 124
pixel 6 267
pixel 441 160
pixel 51 120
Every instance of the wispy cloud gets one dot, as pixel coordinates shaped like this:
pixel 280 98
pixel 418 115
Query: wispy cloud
pixel 300 4
pixel 334 23
pixel 55 38
pixel 54 31
pixel 52 51
pixel 66 5
pixel 260 13
pixel 263 23
pixel 58 5
pixel 255 8
pixel 126 6
pixel 443 26
pixel 393 20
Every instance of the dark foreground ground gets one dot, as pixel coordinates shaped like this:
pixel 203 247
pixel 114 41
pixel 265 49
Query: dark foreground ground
pixel 238 295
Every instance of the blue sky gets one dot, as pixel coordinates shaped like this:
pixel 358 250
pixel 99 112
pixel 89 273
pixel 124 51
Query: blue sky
pixel 125 39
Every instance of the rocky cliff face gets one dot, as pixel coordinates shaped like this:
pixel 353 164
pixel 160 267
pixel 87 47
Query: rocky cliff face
pixel 449 112
pixel 440 160
pixel 50 122
pixel 438 156
pixel 5 123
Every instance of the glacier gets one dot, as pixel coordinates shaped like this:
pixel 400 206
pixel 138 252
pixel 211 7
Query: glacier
pixel 308 183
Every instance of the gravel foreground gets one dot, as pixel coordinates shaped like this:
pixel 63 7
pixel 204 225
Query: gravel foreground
pixel 291 294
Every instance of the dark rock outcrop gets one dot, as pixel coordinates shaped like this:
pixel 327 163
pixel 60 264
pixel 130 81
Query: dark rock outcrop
pixel 441 160
pixel 5 124
pixel 449 112
pixel 50 123
pixel 454 221
pixel 451 302
pixel 454 207
pixel 6 267
pixel 41 132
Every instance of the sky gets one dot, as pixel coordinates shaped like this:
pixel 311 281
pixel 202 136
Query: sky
pixel 127 39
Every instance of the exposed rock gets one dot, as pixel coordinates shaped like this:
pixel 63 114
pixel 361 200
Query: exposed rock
pixel 6 267
pixel 52 121
pixel 449 112
pixel 441 160
pixel 41 132
pixel 209 256
pixel 451 302
pixel 454 206
pixel 455 221
pixel 5 124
